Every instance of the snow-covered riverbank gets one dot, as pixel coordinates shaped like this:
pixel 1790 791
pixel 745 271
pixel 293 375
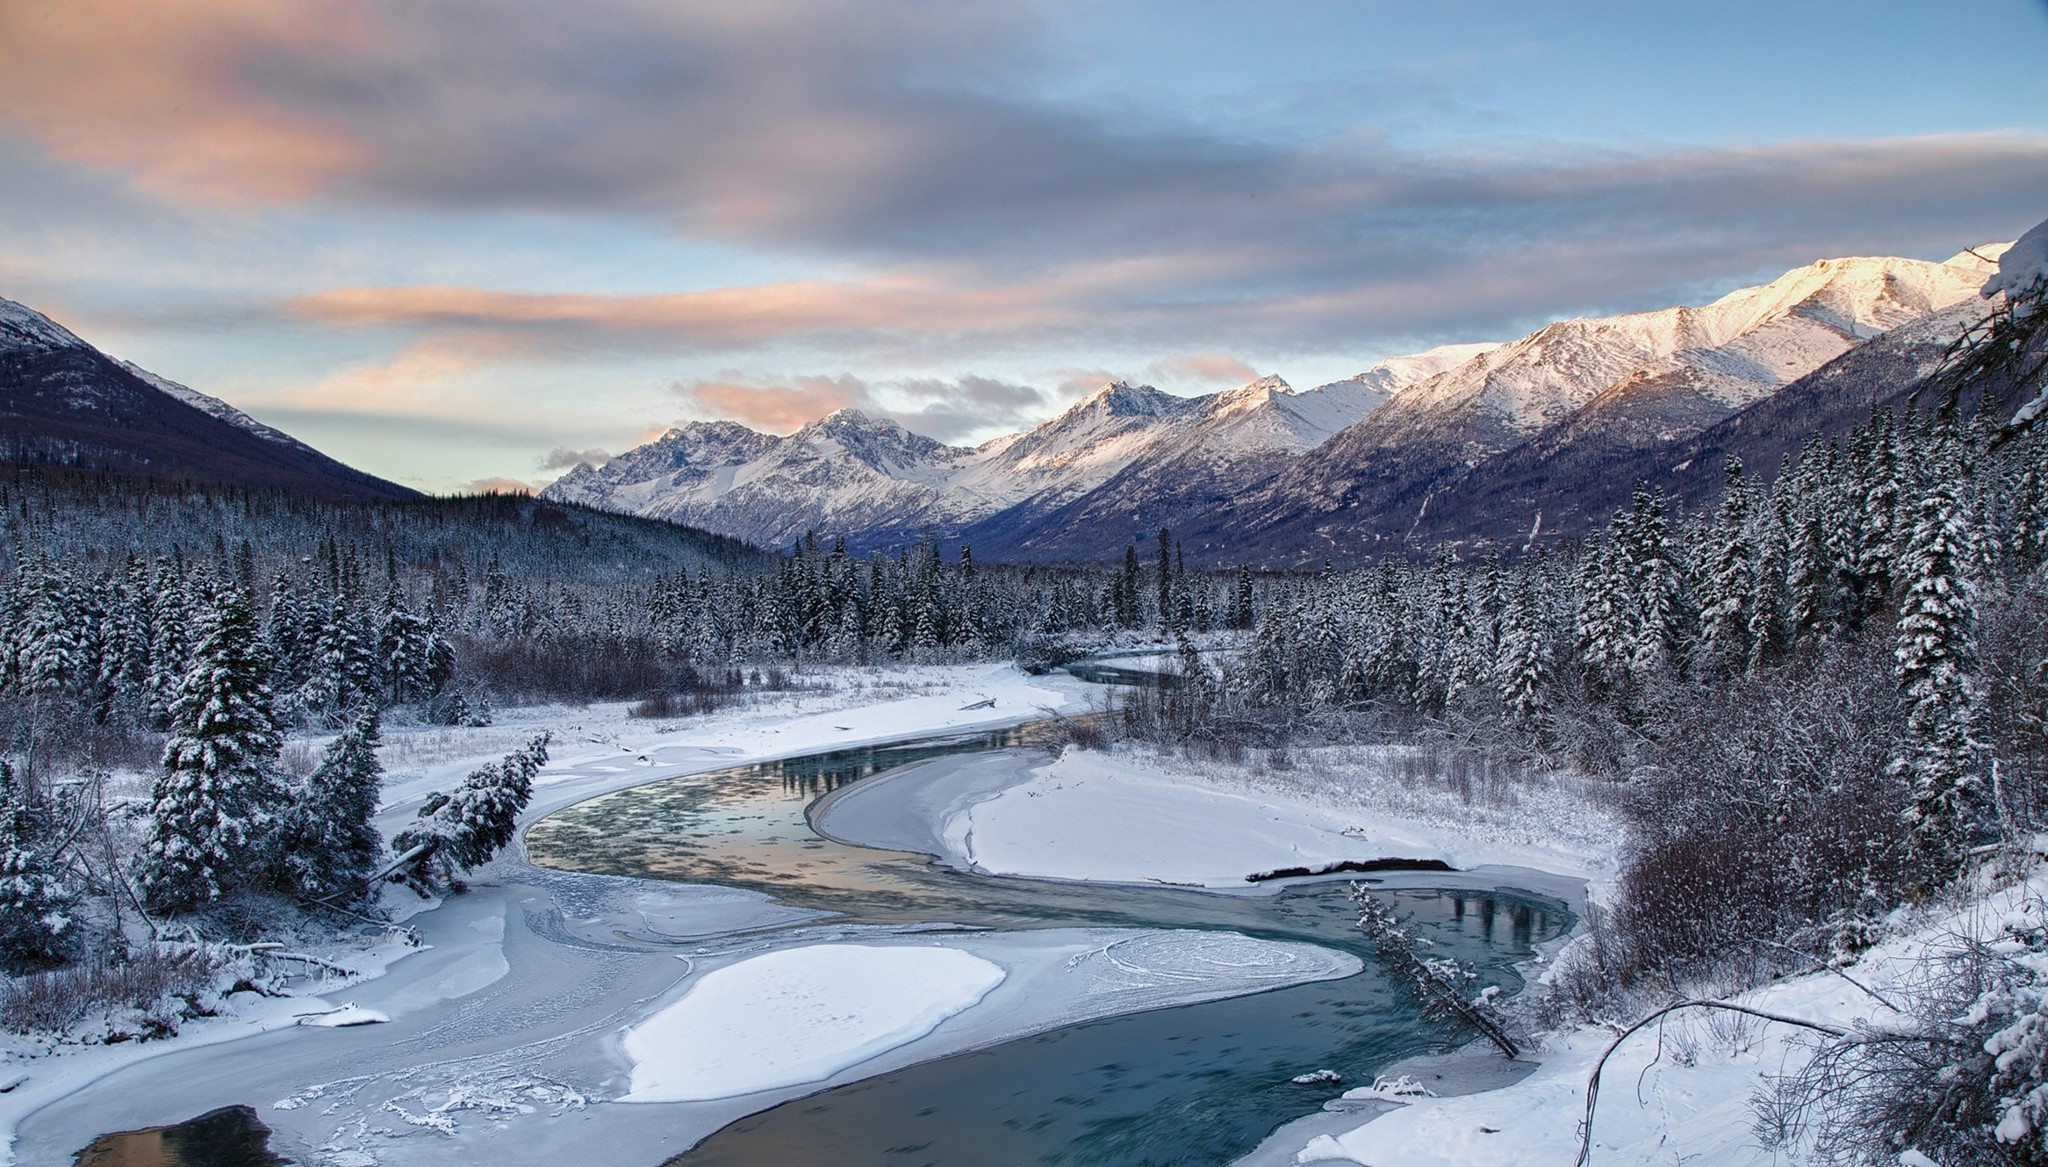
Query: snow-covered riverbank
pixel 1134 817
pixel 506 1039
pixel 1130 817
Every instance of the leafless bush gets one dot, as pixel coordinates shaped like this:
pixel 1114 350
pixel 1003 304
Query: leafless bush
pixel 51 1002
pixel 692 702
pixel 1761 813
pixel 1921 1079
pixel 566 667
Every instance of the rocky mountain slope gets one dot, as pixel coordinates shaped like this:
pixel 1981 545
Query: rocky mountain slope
pixel 1553 424
pixel 878 485
pixel 1504 443
pixel 66 403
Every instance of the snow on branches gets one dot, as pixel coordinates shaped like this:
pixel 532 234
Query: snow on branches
pixel 464 829
pixel 218 792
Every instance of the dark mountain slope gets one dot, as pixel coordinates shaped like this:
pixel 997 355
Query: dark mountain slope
pixel 65 403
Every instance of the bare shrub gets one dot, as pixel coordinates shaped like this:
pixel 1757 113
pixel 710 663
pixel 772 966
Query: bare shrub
pixel 51 1002
pixel 1762 814
pixel 566 667
pixel 1946 1076
pixel 694 694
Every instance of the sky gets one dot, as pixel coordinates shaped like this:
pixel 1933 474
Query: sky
pixel 467 244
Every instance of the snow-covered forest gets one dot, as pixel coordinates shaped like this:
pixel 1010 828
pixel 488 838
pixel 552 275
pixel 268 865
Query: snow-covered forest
pixel 1812 707
pixel 189 630
pixel 1820 703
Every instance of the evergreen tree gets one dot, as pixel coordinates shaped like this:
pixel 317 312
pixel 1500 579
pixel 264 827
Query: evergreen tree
pixel 1729 586
pixel 1523 660
pixel 416 661
pixel 1936 658
pixel 35 922
pixel 344 662
pixel 327 842
pixel 461 830
pixel 1603 612
pixel 215 798
pixel 1878 546
pixel 1167 608
pixel 1656 583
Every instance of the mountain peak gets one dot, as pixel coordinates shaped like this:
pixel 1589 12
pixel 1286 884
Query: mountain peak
pixel 1263 389
pixel 848 417
pixel 23 326
pixel 1120 398
pixel 1249 396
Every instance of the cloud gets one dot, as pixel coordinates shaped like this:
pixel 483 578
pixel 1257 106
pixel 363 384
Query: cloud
pixel 561 458
pixel 776 407
pixel 914 151
pixel 1202 369
pixel 723 318
pixel 496 485
pixel 1078 383
pixel 945 410
pixel 156 89
pixel 427 378
pixel 901 134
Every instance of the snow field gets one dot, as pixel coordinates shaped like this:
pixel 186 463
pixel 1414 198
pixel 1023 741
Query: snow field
pixel 600 748
pixel 1139 818
pixel 798 1015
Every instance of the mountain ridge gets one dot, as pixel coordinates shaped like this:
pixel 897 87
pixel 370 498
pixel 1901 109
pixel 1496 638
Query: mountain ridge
pixel 1348 469
pixel 65 402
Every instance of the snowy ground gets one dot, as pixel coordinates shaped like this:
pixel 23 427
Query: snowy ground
pixel 1130 817
pixel 507 1032
pixel 1679 1094
pixel 808 1014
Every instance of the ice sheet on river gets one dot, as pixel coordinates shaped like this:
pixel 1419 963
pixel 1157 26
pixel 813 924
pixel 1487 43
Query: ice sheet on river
pixel 810 1014
pixel 798 1015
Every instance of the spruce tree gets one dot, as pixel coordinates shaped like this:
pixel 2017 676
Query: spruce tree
pixel 328 843
pixel 1523 659
pixel 34 903
pixel 1603 611
pixel 1656 579
pixel 1728 587
pixel 1936 657
pixel 463 829
pixel 216 797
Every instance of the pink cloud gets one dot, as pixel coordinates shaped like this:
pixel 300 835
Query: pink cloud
pixel 724 317
pixel 153 88
pixel 1203 369
pixel 778 407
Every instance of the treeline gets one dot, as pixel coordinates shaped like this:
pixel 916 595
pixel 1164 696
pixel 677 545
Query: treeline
pixel 185 632
pixel 227 830
pixel 1821 697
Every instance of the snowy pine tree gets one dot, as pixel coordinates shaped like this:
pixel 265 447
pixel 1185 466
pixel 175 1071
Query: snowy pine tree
pixel 1604 641
pixel 1935 659
pixel 1656 579
pixel 1523 660
pixel 35 923
pixel 463 829
pixel 1728 587
pixel 327 843
pixel 216 796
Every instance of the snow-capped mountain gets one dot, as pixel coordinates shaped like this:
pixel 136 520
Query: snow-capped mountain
pixel 214 406
pixel 877 484
pixel 844 473
pixel 1590 388
pixel 65 402
pixel 1491 435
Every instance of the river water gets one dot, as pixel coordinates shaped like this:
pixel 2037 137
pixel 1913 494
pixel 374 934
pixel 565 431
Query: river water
pixel 1199 1084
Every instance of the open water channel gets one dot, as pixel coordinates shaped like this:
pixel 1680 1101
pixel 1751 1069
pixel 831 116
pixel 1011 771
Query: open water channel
pixel 1198 1084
